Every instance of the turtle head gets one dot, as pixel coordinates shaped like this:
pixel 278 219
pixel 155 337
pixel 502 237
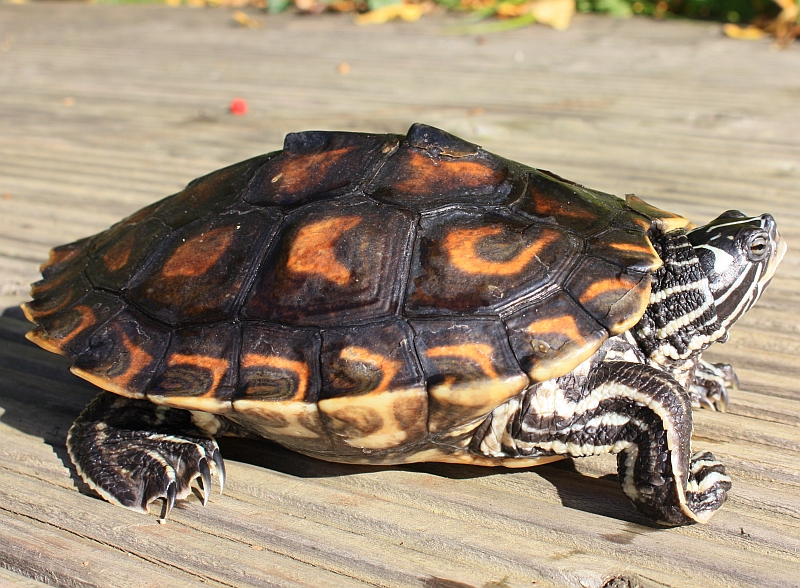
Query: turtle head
pixel 738 255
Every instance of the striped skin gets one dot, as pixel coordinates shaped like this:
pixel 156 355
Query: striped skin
pixel 371 299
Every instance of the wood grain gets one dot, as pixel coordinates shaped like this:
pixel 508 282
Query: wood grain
pixel 106 109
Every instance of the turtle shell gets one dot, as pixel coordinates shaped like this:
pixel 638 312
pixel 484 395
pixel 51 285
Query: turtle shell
pixel 352 292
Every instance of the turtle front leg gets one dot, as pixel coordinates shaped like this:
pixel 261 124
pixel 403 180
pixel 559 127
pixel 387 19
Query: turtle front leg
pixel 133 452
pixel 656 468
pixel 709 388
pixel 643 415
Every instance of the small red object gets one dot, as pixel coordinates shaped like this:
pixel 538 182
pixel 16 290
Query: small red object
pixel 238 106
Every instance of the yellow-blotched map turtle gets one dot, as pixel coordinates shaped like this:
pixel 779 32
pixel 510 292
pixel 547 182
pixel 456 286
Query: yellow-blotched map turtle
pixel 387 299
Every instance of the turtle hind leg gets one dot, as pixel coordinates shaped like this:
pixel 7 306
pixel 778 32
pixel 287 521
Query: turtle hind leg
pixel 133 452
pixel 710 385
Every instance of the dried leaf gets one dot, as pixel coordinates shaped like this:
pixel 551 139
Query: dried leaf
pixel 247 21
pixel 748 33
pixel 407 12
pixel 556 13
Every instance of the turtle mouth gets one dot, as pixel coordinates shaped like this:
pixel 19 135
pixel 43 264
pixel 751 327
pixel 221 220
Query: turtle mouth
pixel 778 252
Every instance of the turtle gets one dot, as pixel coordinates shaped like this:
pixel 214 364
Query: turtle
pixel 389 299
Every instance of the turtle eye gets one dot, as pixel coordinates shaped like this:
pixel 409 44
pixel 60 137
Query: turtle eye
pixel 757 246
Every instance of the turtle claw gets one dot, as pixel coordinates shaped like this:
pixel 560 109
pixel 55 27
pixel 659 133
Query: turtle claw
pixel 711 383
pixel 169 501
pixel 205 480
pixel 220 468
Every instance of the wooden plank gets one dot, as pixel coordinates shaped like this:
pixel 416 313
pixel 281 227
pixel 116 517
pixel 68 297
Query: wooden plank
pixel 674 112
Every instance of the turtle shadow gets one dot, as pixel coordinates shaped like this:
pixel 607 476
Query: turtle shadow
pixel 38 394
pixel 599 496
pixel 40 397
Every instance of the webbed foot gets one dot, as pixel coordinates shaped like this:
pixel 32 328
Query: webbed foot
pixel 710 386
pixel 133 452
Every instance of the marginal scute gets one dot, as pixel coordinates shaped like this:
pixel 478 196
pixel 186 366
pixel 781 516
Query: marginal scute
pixel 200 273
pixel 469 368
pixel 615 297
pixel 123 355
pixel 67 332
pixel 663 220
pixel 470 261
pixel 278 364
pixel 279 386
pixel 56 293
pixel 315 165
pixel 200 369
pixel 629 249
pixel 553 336
pixel 334 265
pixel 64 257
pixel 373 395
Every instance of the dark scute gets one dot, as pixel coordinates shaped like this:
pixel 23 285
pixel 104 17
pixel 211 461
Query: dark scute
pixel 433 168
pixel 202 271
pixel 440 142
pixel 628 248
pixel 71 328
pixel 568 204
pixel 611 294
pixel 209 194
pixel 113 266
pixel 65 257
pixel 465 261
pixel 335 276
pixel 549 329
pixel 319 164
pixel 58 291
pixel 473 343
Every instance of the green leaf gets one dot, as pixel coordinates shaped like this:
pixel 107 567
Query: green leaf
pixel 497 26
pixel 376 4
pixel 276 6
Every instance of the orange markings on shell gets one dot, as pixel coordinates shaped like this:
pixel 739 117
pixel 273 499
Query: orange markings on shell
pixel 453 173
pixel 480 353
pixel 388 367
pixel 61 255
pixel 215 365
pixel 87 320
pixel 138 359
pixel 196 256
pixel 461 245
pixel 299 368
pixel 119 254
pixel 312 251
pixel 563 325
pixel 601 287
pixel 298 170
pixel 632 247
pixel 546 206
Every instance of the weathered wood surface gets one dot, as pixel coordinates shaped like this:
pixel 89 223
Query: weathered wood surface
pixel 105 109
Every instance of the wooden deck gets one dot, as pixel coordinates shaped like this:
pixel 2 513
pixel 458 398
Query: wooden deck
pixel 105 109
